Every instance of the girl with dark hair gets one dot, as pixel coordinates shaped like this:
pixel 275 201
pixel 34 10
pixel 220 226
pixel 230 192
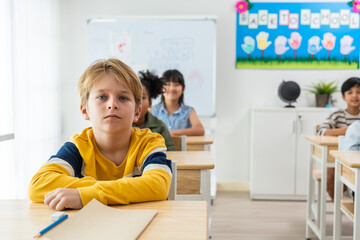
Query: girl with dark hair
pixel 152 88
pixel 178 117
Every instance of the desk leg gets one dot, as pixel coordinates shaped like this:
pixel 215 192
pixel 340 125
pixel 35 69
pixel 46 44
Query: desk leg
pixel 323 192
pixel 337 200
pixel 310 196
pixel 205 192
pixel 357 206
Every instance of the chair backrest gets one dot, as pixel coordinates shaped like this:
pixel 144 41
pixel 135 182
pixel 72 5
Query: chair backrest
pixel 172 191
pixel 180 142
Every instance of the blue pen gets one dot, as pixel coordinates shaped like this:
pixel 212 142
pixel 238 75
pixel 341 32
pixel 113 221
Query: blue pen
pixel 51 226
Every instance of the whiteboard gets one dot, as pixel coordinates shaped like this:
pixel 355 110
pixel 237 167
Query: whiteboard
pixel 162 43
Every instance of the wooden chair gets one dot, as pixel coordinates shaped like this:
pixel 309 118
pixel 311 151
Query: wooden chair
pixel 180 142
pixel 172 191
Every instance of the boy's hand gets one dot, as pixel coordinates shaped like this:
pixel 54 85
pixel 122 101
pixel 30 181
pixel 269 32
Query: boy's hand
pixel 62 198
pixel 335 131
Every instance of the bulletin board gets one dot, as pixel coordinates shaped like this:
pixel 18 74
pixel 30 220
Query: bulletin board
pixel 281 35
pixel 187 44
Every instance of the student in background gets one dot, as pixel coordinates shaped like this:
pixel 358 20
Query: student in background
pixel 110 161
pixel 152 88
pixel 178 117
pixel 337 123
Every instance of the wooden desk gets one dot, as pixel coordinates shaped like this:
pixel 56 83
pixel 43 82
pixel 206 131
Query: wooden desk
pixel 319 152
pixel 22 219
pixel 347 171
pixel 193 174
pixel 199 143
pixel 331 143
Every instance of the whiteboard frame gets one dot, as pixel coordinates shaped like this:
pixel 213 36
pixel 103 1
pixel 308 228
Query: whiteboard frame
pixel 153 17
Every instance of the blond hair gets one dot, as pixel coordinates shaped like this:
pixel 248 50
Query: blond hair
pixel 115 68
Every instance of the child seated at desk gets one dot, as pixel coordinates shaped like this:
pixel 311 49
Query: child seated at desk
pixel 152 88
pixel 178 117
pixel 337 123
pixel 110 161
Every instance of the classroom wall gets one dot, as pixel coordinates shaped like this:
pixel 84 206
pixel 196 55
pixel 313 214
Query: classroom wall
pixel 237 91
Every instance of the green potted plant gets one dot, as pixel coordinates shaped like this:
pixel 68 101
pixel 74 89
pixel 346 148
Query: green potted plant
pixel 322 91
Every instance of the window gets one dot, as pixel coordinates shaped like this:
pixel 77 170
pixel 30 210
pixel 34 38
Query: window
pixel 29 90
pixel 6 103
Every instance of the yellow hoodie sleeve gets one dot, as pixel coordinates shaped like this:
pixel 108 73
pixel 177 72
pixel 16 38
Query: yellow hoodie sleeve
pixel 153 185
pixel 146 158
pixel 52 176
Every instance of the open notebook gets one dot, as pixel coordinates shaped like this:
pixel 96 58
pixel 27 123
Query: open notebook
pixel 97 221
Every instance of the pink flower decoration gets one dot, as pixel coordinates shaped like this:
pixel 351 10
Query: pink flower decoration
pixel 241 6
pixel 356 6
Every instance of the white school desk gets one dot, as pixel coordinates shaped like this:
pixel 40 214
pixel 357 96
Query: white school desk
pixel 347 171
pixel 199 143
pixel 193 174
pixel 319 152
pixel 22 219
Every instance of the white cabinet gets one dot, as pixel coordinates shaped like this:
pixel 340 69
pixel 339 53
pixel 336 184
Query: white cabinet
pixel 279 151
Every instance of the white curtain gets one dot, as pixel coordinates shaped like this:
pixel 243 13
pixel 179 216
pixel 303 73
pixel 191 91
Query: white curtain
pixel 35 28
pixel 6 102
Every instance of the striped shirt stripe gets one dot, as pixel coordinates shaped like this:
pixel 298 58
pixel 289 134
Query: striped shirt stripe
pixel 337 119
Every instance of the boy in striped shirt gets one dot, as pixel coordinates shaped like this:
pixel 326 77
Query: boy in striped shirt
pixel 109 161
pixel 337 123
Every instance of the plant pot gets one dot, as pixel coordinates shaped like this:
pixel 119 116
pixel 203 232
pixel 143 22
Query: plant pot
pixel 322 100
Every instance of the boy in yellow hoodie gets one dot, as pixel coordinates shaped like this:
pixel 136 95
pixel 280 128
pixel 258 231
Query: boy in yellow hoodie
pixel 110 161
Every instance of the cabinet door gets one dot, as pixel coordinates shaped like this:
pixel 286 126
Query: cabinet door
pixel 305 126
pixel 272 153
